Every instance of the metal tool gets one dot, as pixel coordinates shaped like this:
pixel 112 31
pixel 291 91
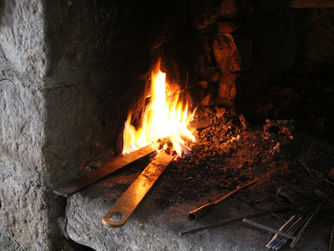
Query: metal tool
pixel 131 198
pixel 226 222
pixel 94 176
pixel 202 210
pixel 266 228
pixel 274 240
pixel 289 227
pixel 303 229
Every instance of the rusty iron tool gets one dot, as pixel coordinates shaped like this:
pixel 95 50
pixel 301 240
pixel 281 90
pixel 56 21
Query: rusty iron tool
pixel 202 210
pixel 76 185
pixel 266 228
pixel 130 199
pixel 238 219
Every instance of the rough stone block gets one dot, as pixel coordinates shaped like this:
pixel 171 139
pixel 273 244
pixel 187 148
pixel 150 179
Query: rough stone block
pixel 152 227
pixel 226 53
pixel 48 89
pixel 7 243
pixel 24 212
pixel 22 116
pixel 227 89
pixel 21 36
pixel 149 228
pixel 226 27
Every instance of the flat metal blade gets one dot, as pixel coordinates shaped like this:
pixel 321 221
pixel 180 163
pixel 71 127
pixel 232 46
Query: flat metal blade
pixel 130 199
pixel 76 185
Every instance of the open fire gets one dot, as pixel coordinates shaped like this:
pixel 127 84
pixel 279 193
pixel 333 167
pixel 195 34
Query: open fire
pixel 228 156
pixel 165 119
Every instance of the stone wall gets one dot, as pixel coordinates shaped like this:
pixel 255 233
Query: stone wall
pixel 69 72
pixel 266 59
pixel 229 48
pixel 23 213
pixel 48 109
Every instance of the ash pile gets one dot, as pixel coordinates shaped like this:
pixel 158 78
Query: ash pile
pixel 229 151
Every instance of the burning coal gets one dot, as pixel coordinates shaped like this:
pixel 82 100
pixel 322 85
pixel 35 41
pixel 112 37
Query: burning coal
pixel 165 119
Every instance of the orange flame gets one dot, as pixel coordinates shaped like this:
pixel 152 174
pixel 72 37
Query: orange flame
pixel 164 117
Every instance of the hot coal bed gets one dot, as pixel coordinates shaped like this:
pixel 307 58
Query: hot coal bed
pixel 259 75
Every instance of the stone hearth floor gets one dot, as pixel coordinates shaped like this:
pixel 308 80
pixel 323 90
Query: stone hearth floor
pixel 228 153
pixel 154 228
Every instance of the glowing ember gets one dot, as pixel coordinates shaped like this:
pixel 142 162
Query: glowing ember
pixel 165 119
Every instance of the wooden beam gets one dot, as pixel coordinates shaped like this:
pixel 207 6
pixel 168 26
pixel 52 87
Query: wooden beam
pixel 316 4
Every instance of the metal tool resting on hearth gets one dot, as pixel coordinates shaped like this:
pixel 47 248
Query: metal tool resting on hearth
pixel 131 198
pixel 96 175
pixel 128 202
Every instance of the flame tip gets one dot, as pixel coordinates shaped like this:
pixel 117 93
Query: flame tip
pixel 164 117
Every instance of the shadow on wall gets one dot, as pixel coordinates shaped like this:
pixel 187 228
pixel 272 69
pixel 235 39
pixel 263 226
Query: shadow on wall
pixel 2 9
pixel 291 72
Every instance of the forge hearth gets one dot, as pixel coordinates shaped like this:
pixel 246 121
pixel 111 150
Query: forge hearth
pixel 259 73
pixel 218 164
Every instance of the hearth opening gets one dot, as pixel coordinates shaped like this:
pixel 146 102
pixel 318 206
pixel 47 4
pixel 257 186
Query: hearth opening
pixel 235 100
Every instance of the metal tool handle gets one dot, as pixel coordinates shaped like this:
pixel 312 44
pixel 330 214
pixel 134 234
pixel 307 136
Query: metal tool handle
pixel 266 228
pixel 112 213
pixel 77 185
pixel 203 210
pixel 131 198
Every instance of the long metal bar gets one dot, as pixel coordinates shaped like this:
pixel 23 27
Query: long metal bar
pixel 130 199
pixel 266 228
pixel 226 222
pixel 76 185
pixel 202 210
pixel 282 228
pixel 292 230
pixel 233 220
pixel 277 243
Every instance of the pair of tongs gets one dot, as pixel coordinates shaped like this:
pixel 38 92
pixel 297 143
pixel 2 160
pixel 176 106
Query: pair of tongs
pixel 131 198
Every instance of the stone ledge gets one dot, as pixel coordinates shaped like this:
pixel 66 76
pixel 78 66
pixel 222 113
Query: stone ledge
pixel 153 228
